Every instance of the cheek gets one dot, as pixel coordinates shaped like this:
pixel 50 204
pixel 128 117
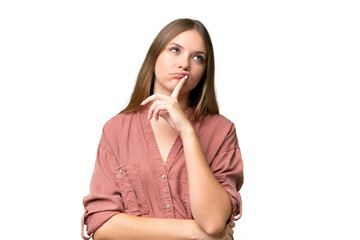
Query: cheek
pixel 157 67
pixel 160 65
pixel 198 73
pixel 196 79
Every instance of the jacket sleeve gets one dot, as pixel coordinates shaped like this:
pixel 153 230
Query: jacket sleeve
pixel 227 167
pixel 104 199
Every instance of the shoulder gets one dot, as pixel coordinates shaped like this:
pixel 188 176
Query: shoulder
pixel 218 118
pixel 118 126
pixel 215 127
pixel 119 122
pixel 217 123
pixel 216 133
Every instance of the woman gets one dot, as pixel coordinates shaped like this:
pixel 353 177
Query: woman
pixel 168 166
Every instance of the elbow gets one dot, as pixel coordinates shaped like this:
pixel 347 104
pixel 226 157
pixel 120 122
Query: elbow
pixel 212 225
pixel 213 229
pixel 99 234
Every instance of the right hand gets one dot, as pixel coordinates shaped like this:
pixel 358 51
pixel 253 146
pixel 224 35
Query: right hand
pixel 226 234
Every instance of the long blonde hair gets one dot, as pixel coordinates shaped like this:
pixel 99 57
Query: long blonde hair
pixel 202 97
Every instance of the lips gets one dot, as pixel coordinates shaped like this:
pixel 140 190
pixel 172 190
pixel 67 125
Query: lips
pixel 179 74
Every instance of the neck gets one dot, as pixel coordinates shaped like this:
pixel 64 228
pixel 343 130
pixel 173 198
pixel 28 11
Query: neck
pixel 183 101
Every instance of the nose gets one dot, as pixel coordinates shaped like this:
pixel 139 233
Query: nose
pixel 184 63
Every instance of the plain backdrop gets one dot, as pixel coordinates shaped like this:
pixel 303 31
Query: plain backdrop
pixel 287 75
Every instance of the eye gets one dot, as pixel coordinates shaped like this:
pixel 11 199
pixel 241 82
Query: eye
pixel 199 58
pixel 175 50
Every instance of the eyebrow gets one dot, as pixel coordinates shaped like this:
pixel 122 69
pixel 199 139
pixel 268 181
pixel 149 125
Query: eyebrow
pixel 181 47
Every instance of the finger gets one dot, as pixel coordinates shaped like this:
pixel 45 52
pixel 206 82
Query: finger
pixel 154 106
pixel 154 97
pixel 231 224
pixel 229 230
pixel 157 111
pixel 229 237
pixel 159 106
pixel 179 85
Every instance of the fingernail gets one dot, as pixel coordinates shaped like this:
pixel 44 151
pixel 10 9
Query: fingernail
pixel 187 76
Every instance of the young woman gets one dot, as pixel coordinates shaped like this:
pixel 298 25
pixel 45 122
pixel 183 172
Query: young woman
pixel 168 166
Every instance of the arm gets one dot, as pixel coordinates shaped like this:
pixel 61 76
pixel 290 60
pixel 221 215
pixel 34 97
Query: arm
pixel 125 226
pixel 210 203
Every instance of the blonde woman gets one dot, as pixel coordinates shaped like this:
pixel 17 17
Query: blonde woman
pixel 168 166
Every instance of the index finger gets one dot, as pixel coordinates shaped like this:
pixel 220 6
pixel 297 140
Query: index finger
pixel 231 224
pixel 179 85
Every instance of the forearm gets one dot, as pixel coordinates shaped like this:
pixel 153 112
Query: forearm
pixel 124 226
pixel 210 203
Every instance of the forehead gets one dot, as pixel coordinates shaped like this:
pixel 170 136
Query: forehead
pixel 191 40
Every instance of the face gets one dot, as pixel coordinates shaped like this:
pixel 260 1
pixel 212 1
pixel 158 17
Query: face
pixel 185 54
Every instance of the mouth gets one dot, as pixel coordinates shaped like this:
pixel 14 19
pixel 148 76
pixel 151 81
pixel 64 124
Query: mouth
pixel 179 75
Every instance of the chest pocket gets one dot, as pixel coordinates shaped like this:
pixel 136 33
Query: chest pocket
pixel 132 191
